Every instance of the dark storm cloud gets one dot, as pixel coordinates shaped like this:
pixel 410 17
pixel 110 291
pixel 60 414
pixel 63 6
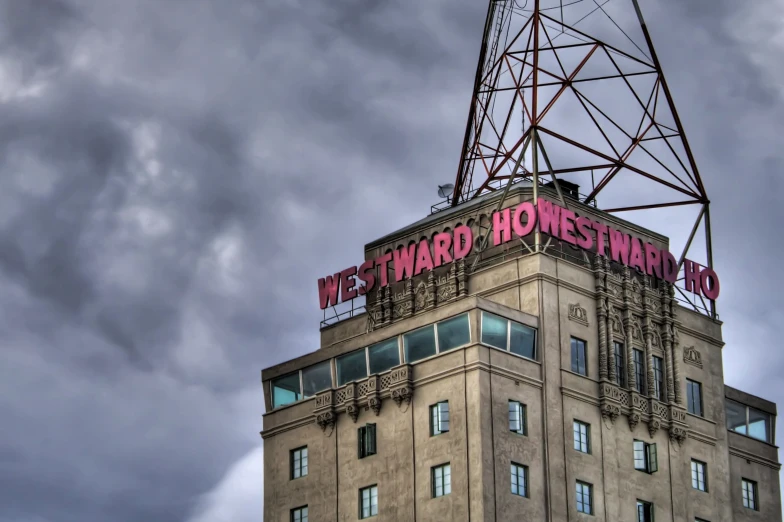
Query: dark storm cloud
pixel 174 174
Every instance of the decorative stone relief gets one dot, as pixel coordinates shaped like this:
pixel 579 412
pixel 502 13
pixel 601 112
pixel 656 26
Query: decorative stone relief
pixel 325 419
pixel 353 411
pixel 578 314
pixel 692 356
pixel 653 427
pixel 611 411
pixel 374 403
pixel 634 420
pixel 402 395
pixel 677 435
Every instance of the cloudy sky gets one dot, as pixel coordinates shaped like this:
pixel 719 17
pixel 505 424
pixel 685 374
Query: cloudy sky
pixel 177 173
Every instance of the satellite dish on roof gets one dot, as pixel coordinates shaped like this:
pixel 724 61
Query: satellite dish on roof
pixel 444 191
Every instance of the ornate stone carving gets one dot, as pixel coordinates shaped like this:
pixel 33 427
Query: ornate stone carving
pixel 611 411
pixel 677 434
pixel 421 296
pixel 692 356
pixel 324 399
pixel 353 411
pixel 374 403
pixel 634 420
pixel 325 419
pixel 401 395
pixel 578 314
pixel 653 427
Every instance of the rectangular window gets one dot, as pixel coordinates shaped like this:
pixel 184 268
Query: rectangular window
pixel 286 390
pixel 639 370
pixel 578 357
pixel 508 335
pixel 749 421
pixel 299 514
pixel 584 498
pixel 699 478
pixel 658 378
pixel 439 418
pixel 316 378
pixel 383 356
pixel 351 367
pixel 519 480
pixel 517 420
pixel 366 440
pixel 420 344
pixel 620 369
pixel 750 494
pixel 582 442
pixel 438 338
pixel 441 478
pixel 453 333
pixel 645 457
pixel 694 397
pixel 368 502
pixel 299 462
pixel 644 511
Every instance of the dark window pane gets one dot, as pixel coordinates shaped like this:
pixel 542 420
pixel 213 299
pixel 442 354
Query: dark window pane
pixel 578 357
pixel 316 378
pixel 285 390
pixel 420 344
pixel 383 356
pixel 639 371
pixel 453 333
pixel 494 330
pixel 522 340
pixel 351 367
pixel 759 425
pixel 736 417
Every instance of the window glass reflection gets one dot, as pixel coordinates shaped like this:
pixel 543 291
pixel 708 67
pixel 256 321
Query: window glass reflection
pixel 453 333
pixel 285 390
pixel 420 344
pixel 759 425
pixel 494 330
pixel 736 417
pixel 351 367
pixel 522 340
pixel 316 378
pixel 384 356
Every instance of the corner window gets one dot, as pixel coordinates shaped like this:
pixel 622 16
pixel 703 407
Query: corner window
pixel 620 367
pixel 519 480
pixel 699 478
pixel 694 397
pixel 639 370
pixel 436 338
pixel 383 356
pixel 582 442
pixel 316 378
pixel 453 333
pixel 749 421
pixel 517 420
pixel 644 511
pixel 286 390
pixel 441 479
pixel 439 418
pixel 299 514
pixel 645 457
pixel 584 498
pixel 366 440
pixel 299 462
pixel 658 378
pixel 351 367
pixel 368 502
pixel 750 494
pixel 578 357
pixel 508 335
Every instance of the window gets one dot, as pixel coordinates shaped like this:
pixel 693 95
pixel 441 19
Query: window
pixel 286 390
pixel 639 370
pixel 749 421
pixel 368 502
pixel 316 378
pixel 517 420
pixel 519 480
pixel 644 511
pixel 699 479
pixel 694 397
pixel 620 370
pixel 750 495
pixel 645 457
pixel 437 338
pixel 441 477
pixel 299 514
pixel 582 442
pixel 383 356
pixel 299 462
pixel 584 498
pixel 351 367
pixel 439 418
pixel 578 357
pixel 366 440
pixel 658 378
pixel 508 335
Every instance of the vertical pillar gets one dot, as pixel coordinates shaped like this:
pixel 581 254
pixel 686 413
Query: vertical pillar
pixel 667 346
pixel 598 264
pixel 609 341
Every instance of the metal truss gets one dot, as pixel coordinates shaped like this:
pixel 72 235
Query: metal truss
pixel 594 105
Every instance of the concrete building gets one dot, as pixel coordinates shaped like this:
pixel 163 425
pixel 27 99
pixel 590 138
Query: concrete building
pixel 548 385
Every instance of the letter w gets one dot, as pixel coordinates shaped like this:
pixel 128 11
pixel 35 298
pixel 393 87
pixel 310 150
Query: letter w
pixel 549 217
pixel 328 290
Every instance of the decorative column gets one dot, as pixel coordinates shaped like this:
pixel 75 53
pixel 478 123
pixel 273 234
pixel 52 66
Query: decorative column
pixel 627 326
pixel 609 341
pixel 430 291
pixel 667 346
pixel 676 366
pixel 651 388
pixel 598 266
pixel 462 282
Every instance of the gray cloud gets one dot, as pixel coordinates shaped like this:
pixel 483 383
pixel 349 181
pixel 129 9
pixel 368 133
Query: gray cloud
pixel 176 175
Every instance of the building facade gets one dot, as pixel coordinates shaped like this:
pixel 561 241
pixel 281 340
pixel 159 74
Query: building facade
pixel 530 384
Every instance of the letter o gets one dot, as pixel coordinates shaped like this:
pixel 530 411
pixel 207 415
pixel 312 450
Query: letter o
pixel 711 290
pixel 524 208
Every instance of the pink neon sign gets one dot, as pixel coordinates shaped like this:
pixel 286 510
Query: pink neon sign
pixel 508 224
